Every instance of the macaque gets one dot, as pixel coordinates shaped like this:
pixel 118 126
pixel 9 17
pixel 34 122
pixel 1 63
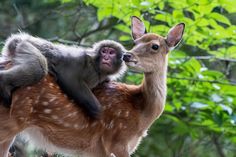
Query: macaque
pixel 75 69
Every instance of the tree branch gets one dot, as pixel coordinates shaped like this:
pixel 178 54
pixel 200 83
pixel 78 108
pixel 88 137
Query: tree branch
pixel 206 58
pixel 99 28
pixel 201 80
pixel 218 146
pixel 67 42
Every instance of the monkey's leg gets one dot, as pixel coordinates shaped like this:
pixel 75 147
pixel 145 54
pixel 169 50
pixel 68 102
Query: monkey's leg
pixel 10 79
pixel 80 93
pixel 29 67
pixel 4 63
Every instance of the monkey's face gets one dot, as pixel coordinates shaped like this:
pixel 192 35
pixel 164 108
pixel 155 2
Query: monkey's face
pixel 110 59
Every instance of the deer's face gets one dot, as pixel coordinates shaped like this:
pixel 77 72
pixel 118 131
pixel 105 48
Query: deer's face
pixel 148 54
pixel 150 51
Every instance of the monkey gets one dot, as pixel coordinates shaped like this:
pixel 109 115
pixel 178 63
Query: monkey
pixel 77 70
pixel 23 62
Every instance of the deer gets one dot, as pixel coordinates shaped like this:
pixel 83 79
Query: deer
pixel 51 121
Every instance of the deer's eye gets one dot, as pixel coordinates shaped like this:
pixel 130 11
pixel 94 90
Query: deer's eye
pixel 155 47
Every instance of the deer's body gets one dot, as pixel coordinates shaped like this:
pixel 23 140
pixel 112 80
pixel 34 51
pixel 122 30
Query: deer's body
pixel 55 124
pixel 128 111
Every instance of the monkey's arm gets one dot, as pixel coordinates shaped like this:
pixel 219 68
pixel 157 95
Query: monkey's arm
pixel 80 93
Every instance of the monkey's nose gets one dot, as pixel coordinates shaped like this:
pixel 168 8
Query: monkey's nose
pixel 126 57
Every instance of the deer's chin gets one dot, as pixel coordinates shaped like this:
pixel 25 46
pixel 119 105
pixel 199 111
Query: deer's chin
pixel 136 68
pixel 130 64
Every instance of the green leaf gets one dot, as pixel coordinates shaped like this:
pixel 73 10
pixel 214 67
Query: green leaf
pixel 166 17
pixel 66 1
pixel 229 5
pixel 161 5
pixel 192 66
pixel 125 38
pixel 219 17
pixel 231 52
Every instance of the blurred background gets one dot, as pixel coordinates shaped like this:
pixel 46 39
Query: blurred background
pixel 200 114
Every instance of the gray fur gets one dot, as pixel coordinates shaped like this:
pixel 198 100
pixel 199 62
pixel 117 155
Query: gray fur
pixel 28 64
pixel 74 68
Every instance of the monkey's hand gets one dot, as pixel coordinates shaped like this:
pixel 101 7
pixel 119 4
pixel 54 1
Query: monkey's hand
pixel 106 80
pixel 6 98
pixel 80 93
pixel 5 92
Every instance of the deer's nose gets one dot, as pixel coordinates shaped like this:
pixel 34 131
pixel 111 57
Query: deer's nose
pixel 126 57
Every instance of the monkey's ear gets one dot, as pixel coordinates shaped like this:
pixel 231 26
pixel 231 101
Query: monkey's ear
pixel 137 27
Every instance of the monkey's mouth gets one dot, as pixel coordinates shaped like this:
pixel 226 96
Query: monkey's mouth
pixel 106 64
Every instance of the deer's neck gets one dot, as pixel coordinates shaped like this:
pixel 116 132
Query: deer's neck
pixel 154 90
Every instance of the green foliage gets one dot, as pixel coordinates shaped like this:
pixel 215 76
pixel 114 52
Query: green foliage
pixel 206 20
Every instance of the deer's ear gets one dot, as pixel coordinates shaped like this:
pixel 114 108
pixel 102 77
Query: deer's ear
pixel 175 35
pixel 137 27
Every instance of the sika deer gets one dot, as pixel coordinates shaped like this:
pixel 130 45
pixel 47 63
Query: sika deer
pixel 53 122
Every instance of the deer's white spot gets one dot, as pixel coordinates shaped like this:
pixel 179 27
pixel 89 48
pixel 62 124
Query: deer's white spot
pixel 126 114
pixel 74 113
pixel 110 125
pixel 118 113
pixel 22 118
pixel 94 124
pixel 20 112
pixel 120 125
pixel 66 124
pixel 51 100
pixel 45 103
pixel 31 110
pixel 16 98
pixel 47 111
pixel 54 117
pixel 76 126
pixel 109 106
pixel 86 125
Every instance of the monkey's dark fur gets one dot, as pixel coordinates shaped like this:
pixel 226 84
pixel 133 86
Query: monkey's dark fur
pixel 75 69
pixel 29 66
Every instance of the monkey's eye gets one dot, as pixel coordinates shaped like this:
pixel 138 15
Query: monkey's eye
pixel 112 52
pixel 103 51
pixel 155 47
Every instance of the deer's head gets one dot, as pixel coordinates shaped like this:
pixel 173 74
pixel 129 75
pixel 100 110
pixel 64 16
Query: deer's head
pixel 150 51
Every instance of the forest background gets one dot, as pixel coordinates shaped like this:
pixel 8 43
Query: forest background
pixel 199 118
